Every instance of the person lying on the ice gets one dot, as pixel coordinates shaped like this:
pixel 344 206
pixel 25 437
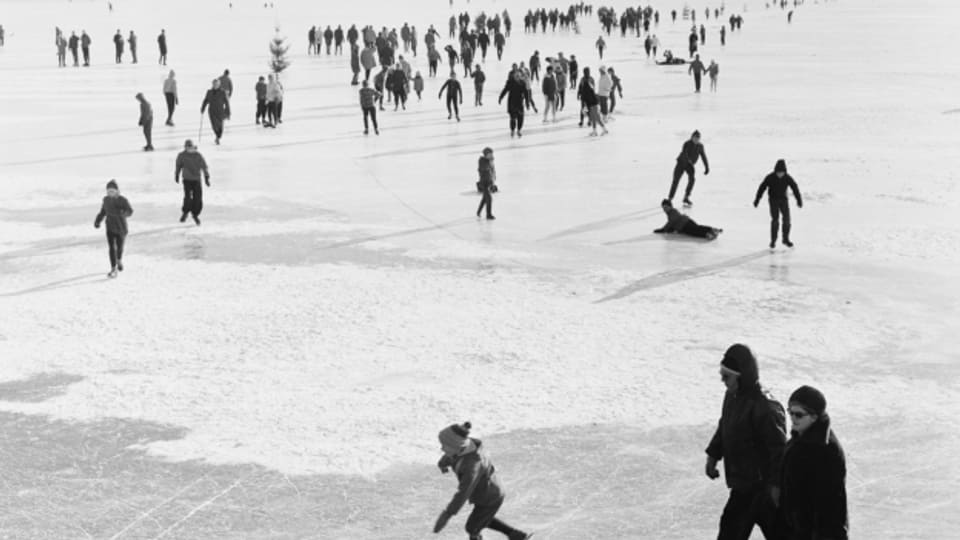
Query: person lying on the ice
pixel 678 222
pixel 669 60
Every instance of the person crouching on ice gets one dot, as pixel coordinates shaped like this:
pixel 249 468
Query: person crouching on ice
pixel 478 484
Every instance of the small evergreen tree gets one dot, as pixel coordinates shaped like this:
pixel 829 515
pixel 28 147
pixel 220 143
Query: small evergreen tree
pixel 278 53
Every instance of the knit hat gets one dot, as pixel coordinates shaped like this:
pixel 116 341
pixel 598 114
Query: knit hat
pixel 736 358
pixel 696 133
pixel 455 435
pixel 112 184
pixel 487 150
pixel 781 166
pixel 809 398
pixel 188 144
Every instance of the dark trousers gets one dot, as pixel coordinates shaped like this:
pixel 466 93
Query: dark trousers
pixel 603 104
pixel 613 101
pixel 171 105
pixel 163 57
pixel 279 114
pixel 433 68
pixel 271 113
pixel 779 208
pixel 216 123
pixel 192 197
pixel 485 517
pixel 692 228
pixel 561 98
pixel 76 61
pixel 148 132
pixel 485 201
pixel 370 112
pixel 261 110
pixel 115 245
pixel 516 120
pixel 535 74
pixel 696 79
pixel 499 53
pixel 86 56
pixel 133 53
pixel 119 55
pixel 478 100
pixel 452 106
pixel 366 75
pixel 677 174
pixel 745 509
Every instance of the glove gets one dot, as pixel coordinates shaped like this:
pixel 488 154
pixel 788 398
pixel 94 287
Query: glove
pixel 706 171
pixel 96 225
pixel 711 468
pixel 799 205
pixel 756 204
pixel 207 180
pixel 441 522
pixel 176 180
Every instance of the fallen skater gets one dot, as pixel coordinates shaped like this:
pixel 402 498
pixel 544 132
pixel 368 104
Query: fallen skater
pixel 670 60
pixel 678 222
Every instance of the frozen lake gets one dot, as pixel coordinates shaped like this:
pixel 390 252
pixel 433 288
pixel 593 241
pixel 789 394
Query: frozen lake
pixel 282 370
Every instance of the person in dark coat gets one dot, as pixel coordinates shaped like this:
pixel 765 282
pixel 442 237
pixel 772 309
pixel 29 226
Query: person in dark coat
pixel 132 41
pixel 118 46
pixel 691 152
pixel 398 85
pixel 813 496
pixel 162 44
pixel 750 439
pixel 518 99
pixel 219 105
pixel 261 92
pixel 146 121
pixel 777 182
pixel 192 165
pixel 73 43
pixel 454 95
pixel 697 69
pixel 85 42
pixel 488 177
pixel 355 63
pixel 477 484
pixel 680 223
pixel 115 209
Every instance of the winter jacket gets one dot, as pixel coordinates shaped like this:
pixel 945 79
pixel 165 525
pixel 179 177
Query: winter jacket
pixel 454 91
pixel 379 79
pixel 488 173
pixel 226 85
pixel 170 86
pixel 517 95
pixel 616 86
pixel 675 222
pixel 478 79
pixel 162 43
pixel 85 41
pixel 433 56
pixel 367 59
pixel 116 210
pixel 691 152
pixel 813 495
pixel 218 102
pixel 561 78
pixel 778 188
pixel 261 89
pixel 398 81
pixel 750 436
pixel 604 85
pixel 587 94
pixel 418 83
pixel 368 97
pixel 192 165
pixel 146 113
pixel 549 86
pixel 274 91
pixel 477 478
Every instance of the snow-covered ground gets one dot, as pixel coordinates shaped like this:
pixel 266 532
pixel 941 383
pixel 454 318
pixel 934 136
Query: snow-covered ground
pixel 282 371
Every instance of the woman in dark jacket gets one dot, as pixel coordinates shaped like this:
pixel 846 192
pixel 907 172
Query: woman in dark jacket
pixel 813 495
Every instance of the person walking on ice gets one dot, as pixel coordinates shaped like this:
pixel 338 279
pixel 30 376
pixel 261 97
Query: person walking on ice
pixel 488 177
pixel 678 222
pixel 171 96
pixel 115 209
pixel 691 152
pixel 219 105
pixel 368 104
pixel 750 439
pixel 454 95
pixel 191 163
pixel 477 484
pixel 601 45
pixel 777 183
pixel 713 70
pixel 697 69
pixel 146 121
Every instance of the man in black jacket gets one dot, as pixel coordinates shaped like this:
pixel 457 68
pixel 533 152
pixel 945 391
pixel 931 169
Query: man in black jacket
pixel 219 105
pixel 691 152
pixel 517 99
pixel 778 182
pixel 750 439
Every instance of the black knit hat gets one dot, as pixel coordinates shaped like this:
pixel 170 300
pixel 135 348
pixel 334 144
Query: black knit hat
pixel 736 356
pixel 781 166
pixel 809 398
pixel 112 184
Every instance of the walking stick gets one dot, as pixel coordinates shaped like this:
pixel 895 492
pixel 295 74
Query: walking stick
pixel 200 133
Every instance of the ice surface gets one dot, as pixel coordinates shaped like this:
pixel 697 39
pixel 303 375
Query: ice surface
pixel 281 371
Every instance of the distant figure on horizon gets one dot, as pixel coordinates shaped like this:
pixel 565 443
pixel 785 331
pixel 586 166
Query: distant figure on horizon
pixel 132 41
pixel 162 44
pixel 85 42
pixel 118 46
pixel 146 121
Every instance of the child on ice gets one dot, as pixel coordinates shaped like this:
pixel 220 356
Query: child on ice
pixel 116 209
pixel 418 85
pixel 478 484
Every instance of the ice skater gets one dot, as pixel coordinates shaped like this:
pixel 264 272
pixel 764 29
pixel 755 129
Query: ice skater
pixel 418 85
pixel 162 44
pixel 478 484
pixel 549 88
pixel 115 209
pixel 750 439
pixel 813 497
pixel 777 183
pixel 191 163
pixel 713 70
pixel 171 96
pixel 85 42
pixel 118 46
pixel 219 106
pixel 479 77
pixel 454 95
pixel 368 105
pixel 518 98
pixel 132 41
pixel 601 45
pixel 260 89
pixel 691 152
pixel 146 121
pixel 697 69
pixel 678 222
pixel 487 182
